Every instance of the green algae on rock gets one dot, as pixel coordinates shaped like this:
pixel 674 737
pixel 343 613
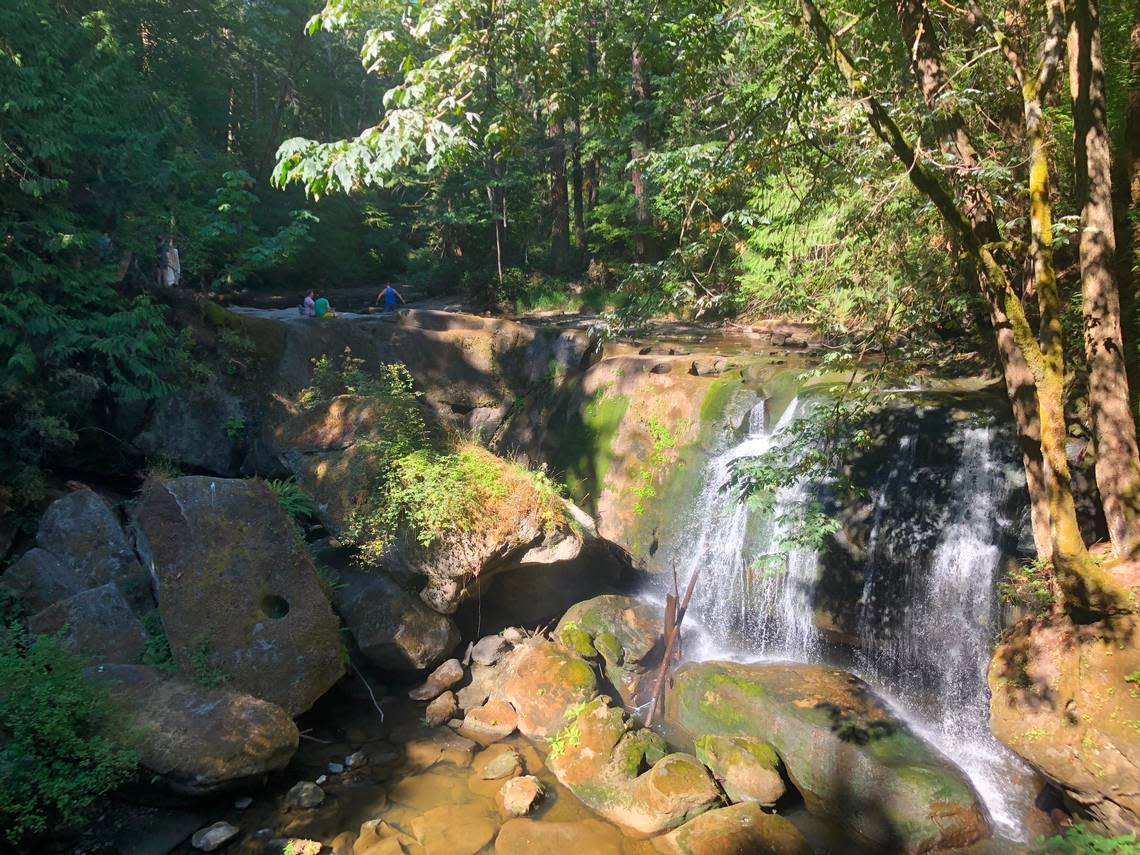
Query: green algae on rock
pixel 848 756
pixel 734 830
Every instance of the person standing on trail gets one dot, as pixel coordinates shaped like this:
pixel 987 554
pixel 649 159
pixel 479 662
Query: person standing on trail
pixel 389 295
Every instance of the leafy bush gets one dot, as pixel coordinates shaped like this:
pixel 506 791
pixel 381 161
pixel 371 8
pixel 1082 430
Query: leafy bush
pixel 55 761
pixel 1029 586
pixel 1079 840
pixel 157 653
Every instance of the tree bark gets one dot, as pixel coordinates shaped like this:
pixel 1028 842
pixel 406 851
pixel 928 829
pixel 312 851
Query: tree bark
pixel 559 199
pixel 1113 428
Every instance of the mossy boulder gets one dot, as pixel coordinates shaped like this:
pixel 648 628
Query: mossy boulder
pixel 239 596
pixel 742 829
pixel 846 753
pixel 96 623
pixel 197 740
pixel 747 769
pixel 1066 697
pixel 624 631
pixel 543 680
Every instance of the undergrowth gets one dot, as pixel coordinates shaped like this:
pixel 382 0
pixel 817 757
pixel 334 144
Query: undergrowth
pixel 1081 840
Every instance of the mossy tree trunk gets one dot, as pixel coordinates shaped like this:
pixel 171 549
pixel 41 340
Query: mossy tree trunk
pixel 1086 587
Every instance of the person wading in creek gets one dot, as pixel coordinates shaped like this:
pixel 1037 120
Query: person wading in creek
pixel 389 295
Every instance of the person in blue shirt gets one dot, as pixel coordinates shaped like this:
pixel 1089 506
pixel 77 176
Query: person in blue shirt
pixel 389 295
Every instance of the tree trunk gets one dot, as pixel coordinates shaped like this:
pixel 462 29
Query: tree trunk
pixel 1113 428
pixel 559 199
pixel 496 201
pixel 644 248
pixel 1132 128
pixel 933 81
pixel 1086 587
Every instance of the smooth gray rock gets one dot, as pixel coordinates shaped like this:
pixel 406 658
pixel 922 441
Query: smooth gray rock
pixel 96 623
pixel 214 836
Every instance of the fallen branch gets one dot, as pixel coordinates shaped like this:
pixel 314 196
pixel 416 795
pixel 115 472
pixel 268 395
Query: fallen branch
pixel 670 643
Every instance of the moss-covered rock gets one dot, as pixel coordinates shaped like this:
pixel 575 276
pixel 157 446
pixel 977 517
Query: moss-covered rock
pixel 1066 697
pixel 747 769
pixel 742 829
pixel 624 631
pixel 542 681
pixel 239 596
pixel 850 758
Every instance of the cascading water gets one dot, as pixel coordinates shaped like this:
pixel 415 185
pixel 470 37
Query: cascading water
pixel 927 616
pixel 738 602
pixel 932 657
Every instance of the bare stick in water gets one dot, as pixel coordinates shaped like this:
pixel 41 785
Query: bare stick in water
pixel 670 644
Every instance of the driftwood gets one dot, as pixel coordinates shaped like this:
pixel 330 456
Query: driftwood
pixel 672 640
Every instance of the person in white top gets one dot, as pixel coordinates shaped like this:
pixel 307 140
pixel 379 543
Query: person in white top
pixel 169 264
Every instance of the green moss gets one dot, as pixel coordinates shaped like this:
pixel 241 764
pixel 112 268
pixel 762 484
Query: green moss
pixel 607 644
pixel 575 639
pixel 583 445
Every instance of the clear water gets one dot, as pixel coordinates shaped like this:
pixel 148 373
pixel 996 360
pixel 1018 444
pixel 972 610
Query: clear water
pixel 928 659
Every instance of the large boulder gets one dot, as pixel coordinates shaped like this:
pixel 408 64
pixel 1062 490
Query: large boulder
pixel 542 681
pixel 624 631
pixel 846 753
pixel 196 739
pixel 392 627
pixel 202 429
pixel 96 623
pixel 237 588
pixel 737 830
pixel 1066 697
pixel 747 769
pixel 79 545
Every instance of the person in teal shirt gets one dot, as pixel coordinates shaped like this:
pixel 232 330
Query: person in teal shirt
pixel 322 307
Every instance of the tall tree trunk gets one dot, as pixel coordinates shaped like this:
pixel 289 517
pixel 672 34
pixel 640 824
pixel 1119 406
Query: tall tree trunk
pixel 1113 428
pixel 559 199
pixel 1086 587
pixel 577 190
pixel 934 83
pixel 496 199
pixel 644 248
pixel 1132 128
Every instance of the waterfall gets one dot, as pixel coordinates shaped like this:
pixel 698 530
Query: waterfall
pixel 932 656
pixel 738 603
pixel 939 523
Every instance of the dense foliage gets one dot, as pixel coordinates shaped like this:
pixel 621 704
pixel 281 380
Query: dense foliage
pixel 55 760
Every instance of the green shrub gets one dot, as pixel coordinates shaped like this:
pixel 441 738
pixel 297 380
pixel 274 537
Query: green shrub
pixel 1079 840
pixel 1029 586
pixel 55 761
pixel 157 653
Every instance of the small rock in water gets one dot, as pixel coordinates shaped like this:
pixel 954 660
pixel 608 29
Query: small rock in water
pixel 491 722
pixel 305 794
pixel 513 634
pixel 355 760
pixel 441 709
pixel 243 802
pixel 336 768
pixel 263 834
pixel 214 836
pixel 488 650
pixel 518 796
pixel 322 778
pixel 508 764
pixel 441 679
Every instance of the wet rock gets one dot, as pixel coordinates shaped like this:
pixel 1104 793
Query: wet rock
pixel 624 631
pixel 829 730
pixel 489 723
pixel 378 837
pixel 454 829
pixel 748 770
pixel 356 760
pixel 214 836
pixel 507 763
pixel 196 739
pixel 237 588
pixel 476 692
pixel 343 844
pixel 528 836
pixel 518 796
pixel 742 828
pixel 39 579
pixel 243 802
pixel 305 794
pixel 1065 697
pixel 488 649
pixel 392 627
pixel 441 709
pixel 439 745
pixel 543 680
pixel 335 768
pixel 96 623
pixel 439 681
